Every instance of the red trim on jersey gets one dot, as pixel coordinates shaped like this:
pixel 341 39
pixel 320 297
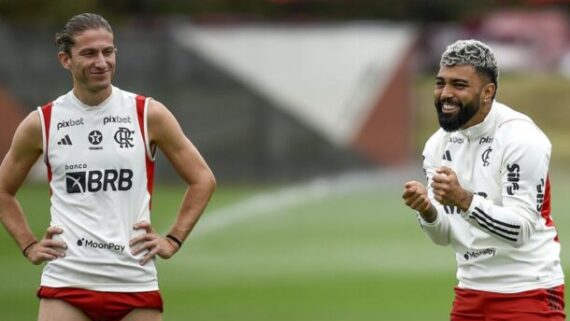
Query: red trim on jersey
pixel 104 306
pixel 546 209
pixel 46 112
pixel 149 162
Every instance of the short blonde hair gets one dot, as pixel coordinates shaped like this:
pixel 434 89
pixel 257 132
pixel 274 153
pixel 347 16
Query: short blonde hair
pixel 472 52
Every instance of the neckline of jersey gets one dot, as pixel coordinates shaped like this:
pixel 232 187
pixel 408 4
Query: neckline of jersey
pixel 100 106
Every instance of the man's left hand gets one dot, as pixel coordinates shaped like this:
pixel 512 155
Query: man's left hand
pixel 448 191
pixel 151 242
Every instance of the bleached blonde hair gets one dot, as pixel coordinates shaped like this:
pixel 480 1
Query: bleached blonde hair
pixel 472 52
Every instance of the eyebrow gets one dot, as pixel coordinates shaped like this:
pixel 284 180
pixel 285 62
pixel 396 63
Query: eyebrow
pixel 455 80
pixel 96 49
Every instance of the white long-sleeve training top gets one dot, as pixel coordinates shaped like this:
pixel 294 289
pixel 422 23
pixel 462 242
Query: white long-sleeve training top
pixel 506 241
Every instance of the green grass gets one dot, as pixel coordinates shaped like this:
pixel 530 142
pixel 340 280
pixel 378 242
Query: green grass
pixel 358 256
pixel 341 258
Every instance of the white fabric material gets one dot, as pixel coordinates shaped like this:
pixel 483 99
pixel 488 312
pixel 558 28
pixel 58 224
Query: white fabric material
pixel 504 242
pixel 99 190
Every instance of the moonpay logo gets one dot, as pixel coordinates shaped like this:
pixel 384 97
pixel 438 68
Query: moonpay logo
pixel 477 253
pixel 100 245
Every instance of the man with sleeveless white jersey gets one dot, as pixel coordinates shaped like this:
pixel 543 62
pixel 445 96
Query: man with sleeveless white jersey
pixel 488 195
pixel 99 143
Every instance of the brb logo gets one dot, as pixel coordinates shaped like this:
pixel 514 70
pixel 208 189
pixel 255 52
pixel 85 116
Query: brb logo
pixel 95 181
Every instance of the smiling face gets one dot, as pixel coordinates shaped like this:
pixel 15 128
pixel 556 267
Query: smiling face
pixel 92 62
pixel 461 97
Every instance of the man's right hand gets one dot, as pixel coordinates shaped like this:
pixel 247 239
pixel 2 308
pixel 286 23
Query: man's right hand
pixel 416 197
pixel 47 249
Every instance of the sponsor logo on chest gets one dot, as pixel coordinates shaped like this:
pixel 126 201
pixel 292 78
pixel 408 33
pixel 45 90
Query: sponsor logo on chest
pixel 70 123
pixel 117 120
pixel 106 180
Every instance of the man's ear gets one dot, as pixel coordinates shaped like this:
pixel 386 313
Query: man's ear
pixel 64 59
pixel 489 92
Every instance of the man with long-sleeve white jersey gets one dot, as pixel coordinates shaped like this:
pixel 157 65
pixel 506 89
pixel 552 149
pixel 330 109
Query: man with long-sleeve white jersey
pixel 488 195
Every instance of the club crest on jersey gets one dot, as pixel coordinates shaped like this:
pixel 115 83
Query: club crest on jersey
pixel 124 137
pixel 485 156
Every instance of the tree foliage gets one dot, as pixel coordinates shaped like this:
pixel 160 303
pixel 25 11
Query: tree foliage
pixel 58 11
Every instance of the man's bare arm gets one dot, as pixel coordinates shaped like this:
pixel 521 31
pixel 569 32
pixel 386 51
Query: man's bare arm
pixel 165 132
pixel 26 148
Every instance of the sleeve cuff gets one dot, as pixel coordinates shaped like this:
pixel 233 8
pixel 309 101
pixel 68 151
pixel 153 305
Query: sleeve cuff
pixel 425 223
pixel 474 202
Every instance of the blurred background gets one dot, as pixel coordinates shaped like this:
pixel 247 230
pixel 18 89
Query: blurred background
pixel 312 114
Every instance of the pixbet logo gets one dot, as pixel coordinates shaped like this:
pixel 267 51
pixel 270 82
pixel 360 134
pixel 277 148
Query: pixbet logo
pixel 100 245
pixel 70 123
pixel 485 140
pixel 95 181
pixel 117 119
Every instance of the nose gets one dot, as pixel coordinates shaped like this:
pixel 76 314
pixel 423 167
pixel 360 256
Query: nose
pixel 100 61
pixel 446 92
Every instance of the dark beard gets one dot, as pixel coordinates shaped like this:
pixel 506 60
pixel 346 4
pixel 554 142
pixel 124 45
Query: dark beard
pixel 451 123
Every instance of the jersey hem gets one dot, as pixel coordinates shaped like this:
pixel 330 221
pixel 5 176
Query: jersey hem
pixel 517 289
pixel 107 287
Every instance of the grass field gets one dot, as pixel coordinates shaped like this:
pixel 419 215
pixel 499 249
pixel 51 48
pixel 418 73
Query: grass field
pixel 308 252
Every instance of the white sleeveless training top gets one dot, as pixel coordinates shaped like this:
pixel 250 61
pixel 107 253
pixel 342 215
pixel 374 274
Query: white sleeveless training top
pixel 100 172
